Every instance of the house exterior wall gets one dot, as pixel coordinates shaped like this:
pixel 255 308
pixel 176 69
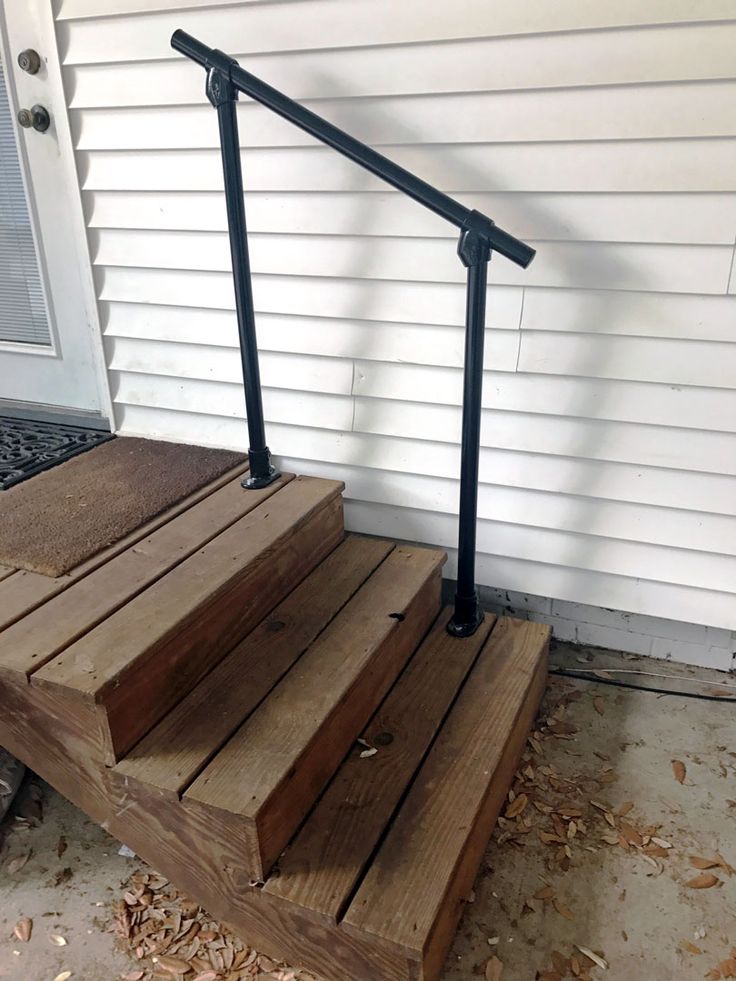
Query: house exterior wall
pixel 603 133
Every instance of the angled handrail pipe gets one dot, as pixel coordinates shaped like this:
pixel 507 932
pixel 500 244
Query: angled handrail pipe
pixel 479 238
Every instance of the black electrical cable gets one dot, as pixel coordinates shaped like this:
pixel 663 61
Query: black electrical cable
pixel 581 676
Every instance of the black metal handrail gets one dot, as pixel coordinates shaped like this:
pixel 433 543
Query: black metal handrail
pixel 479 237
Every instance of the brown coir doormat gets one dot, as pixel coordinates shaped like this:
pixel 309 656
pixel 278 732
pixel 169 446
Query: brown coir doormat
pixel 59 518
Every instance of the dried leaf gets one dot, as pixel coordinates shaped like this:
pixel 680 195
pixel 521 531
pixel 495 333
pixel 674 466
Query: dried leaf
pixel 549 839
pixel 494 968
pixel 562 909
pixel 598 705
pixel 560 963
pixel 17 863
pixel 174 965
pixel 132 976
pixel 517 807
pixel 546 893
pixel 207 976
pixel 608 776
pixel 569 810
pixel 591 955
pixel 58 940
pixel 703 881
pixel 690 947
pixel 678 769
pixel 704 863
pixel 631 835
pixel 23 929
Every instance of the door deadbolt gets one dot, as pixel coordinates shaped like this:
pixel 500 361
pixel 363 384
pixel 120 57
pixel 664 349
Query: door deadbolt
pixel 36 117
pixel 30 61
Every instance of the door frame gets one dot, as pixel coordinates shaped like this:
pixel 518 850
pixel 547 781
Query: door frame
pixel 62 247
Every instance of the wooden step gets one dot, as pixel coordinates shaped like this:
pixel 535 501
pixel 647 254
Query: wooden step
pixel 374 881
pixel 322 865
pixel 257 789
pixel 135 665
pixel 372 884
pixel 174 753
pixel 411 897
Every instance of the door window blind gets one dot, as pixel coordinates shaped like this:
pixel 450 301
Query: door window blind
pixel 22 307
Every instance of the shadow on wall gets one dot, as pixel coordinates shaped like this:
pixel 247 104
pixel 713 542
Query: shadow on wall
pixel 608 274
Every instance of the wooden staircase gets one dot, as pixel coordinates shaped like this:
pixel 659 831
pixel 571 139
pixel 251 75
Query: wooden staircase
pixel 200 687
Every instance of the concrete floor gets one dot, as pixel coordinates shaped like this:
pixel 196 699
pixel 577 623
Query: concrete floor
pixel 625 896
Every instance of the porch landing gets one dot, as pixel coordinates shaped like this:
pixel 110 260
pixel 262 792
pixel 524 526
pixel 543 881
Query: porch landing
pixel 199 688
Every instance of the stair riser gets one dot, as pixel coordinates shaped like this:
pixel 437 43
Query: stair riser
pixel 56 741
pixel 171 669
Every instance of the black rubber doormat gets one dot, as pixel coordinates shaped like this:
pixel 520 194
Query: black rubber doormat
pixel 27 447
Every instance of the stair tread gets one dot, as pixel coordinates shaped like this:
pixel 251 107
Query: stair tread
pixel 176 750
pixel 42 634
pixel 268 775
pixel 263 751
pixel 25 591
pixel 415 882
pixel 96 662
pixel 322 864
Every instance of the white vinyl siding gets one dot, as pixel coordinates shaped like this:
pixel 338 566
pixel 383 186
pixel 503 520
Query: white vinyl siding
pixel 603 133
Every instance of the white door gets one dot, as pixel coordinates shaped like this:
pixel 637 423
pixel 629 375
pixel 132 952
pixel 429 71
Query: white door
pixel 50 346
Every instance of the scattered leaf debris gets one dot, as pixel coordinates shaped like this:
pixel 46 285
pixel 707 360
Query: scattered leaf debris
pixel 172 937
pixel 591 955
pixel 17 863
pixel 703 881
pixel 679 770
pixel 23 929
pixel 494 969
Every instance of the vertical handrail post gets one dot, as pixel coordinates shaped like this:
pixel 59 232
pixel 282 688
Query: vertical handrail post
pixel 475 253
pixel 222 94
